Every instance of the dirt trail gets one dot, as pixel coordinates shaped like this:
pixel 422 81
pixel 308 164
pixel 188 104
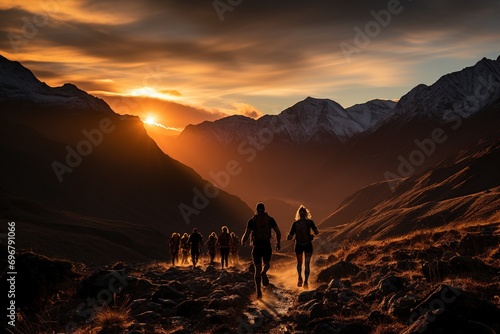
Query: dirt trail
pixel 269 315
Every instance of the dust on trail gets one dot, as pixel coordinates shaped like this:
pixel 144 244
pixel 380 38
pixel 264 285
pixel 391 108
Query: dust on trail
pixel 269 315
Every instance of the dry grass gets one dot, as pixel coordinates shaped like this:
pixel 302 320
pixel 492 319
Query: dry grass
pixel 112 320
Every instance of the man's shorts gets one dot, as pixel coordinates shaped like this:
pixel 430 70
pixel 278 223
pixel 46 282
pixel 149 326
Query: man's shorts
pixel 301 248
pixel 262 254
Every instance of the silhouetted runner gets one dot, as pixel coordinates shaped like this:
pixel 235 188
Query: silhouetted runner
pixel 260 227
pixel 185 248
pixel 224 243
pixel 174 243
pixel 235 242
pixel 301 228
pixel 211 244
pixel 195 241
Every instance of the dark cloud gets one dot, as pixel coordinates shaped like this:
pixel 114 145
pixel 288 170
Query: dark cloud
pixel 288 44
pixel 278 33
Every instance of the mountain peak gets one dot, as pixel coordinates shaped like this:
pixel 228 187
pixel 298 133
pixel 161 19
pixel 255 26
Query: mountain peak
pixel 457 92
pixel 18 85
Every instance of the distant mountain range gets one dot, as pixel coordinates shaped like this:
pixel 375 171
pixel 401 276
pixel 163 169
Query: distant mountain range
pixel 77 176
pixel 312 120
pixel 309 121
pixel 84 182
pixel 318 153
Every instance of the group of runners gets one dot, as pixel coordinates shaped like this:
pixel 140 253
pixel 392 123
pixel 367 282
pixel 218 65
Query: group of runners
pixel 188 249
pixel 259 229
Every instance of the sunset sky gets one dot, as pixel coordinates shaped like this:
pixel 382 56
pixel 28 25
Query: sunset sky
pixel 189 61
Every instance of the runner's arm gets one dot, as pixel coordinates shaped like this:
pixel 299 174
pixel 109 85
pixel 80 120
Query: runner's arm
pixel 314 228
pixel 278 236
pixel 291 233
pixel 245 236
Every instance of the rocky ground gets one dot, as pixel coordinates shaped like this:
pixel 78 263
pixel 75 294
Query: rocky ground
pixel 444 281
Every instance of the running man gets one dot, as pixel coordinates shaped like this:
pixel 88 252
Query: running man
pixel 260 226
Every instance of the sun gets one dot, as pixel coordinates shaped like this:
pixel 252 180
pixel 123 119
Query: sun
pixel 150 120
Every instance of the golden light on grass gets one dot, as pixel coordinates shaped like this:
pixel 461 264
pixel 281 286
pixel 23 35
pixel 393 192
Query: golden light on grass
pixel 112 320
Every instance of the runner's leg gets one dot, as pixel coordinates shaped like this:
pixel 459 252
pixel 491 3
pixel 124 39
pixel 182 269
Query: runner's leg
pixel 299 268
pixel 307 267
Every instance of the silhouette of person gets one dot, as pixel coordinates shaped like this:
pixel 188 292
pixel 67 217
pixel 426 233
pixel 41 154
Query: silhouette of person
pixel 235 242
pixel 260 226
pixel 174 244
pixel 224 244
pixel 195 241
pixel 301 228
pixel 185 248
pixel 211 244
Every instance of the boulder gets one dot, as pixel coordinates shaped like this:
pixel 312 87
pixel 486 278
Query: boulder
pixel 166 292
pixel 458 304
pixel 445 321
pixel 390 284
pixel 306 296
pixel 226 302
pixel 103 281
pixel 342 269
pixel 38 278
pixel 189 308
pixel 335 284
pixel 477 244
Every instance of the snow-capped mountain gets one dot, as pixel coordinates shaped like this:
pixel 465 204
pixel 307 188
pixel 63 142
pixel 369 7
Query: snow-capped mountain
pixel 458 94
pixel 19 85
pixel 309 121
pixel 372 112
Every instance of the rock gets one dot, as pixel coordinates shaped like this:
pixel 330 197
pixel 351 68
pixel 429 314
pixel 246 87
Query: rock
pixel 189 308
pixel 400 304
pixel 218 317
pixel 325 328
pixel 119 266
pixel 148 317
pixel 471 267
pixel 346 296
pixel 318 310
pixel 306 296
pixel 355 328
pixel 435 271
pixel 391 284
pixel 226 302
pixel 459 303
pixel 339 270
pixel 458 266
pixel 378 317
pixel 167 302
pixel 445 321
pixel 101 281
pixel 38 278
pixel 477 244
pixel 166 292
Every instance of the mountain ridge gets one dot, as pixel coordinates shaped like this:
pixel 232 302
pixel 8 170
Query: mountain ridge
pixel 108 171
pixel 19 86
